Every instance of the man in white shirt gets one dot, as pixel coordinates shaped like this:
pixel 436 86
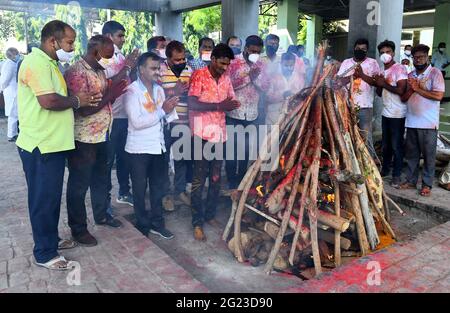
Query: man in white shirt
pixel 390 87
pixel 8 84
pixel 424 93
pixel 147 108
pixel 362 69
pixel 118 68
pixel 440 59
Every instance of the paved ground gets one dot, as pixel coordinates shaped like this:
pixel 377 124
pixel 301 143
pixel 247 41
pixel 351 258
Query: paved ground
pixel 125 261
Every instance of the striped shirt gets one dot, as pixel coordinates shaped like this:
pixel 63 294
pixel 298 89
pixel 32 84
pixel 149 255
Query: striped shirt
pixel 169 80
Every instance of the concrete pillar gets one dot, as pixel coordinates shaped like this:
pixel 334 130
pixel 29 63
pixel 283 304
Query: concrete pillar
pixel 169 24
pixel 314 34
pixel 239 18
pixel 376 21
pixel 287 23
pixel 441 25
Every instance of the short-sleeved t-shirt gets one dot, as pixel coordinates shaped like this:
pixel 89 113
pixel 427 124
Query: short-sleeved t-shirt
pixel 362 93
pixel 50 131
pixel 422 112
pixel 393 105
pixel 209 126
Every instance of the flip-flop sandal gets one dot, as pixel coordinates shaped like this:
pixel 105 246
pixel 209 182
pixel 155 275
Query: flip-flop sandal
pixel 57 264
pixel 65 244
pixel 407 186
pixel 425 191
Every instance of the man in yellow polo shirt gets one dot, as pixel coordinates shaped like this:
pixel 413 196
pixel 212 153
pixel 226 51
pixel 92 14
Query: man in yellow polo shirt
pixel 46 133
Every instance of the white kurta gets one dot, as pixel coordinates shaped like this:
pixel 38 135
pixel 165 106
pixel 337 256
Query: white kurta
pixel 8 82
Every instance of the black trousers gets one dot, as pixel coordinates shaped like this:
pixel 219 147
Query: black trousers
pixel 45 177
pixel 234 167
pixel 393 144
pixel 203 168
pixel 88 168
pixel 117 153
pixel 147 169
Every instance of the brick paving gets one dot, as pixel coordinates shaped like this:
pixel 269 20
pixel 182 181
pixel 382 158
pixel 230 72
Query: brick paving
pixel 125 261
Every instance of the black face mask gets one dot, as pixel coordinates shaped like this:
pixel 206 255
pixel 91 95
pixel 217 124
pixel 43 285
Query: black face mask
pixel 421 67
pixel 271 50
pixel 236 50
pixel 359 54
pixel 177 69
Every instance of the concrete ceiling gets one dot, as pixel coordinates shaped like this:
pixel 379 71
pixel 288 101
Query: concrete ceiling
pixel 328 9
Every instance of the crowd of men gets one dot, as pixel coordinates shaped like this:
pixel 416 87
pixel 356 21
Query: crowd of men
pixel 110 108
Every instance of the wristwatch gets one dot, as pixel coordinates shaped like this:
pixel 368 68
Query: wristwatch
pixel 77 103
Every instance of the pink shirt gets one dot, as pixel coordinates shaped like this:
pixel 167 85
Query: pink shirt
pixel 393 105
pixel 422 112
pixel 246 91
pixel 211 125
pixel 362 93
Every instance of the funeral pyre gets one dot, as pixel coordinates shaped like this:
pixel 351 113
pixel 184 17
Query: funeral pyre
pixel 323 199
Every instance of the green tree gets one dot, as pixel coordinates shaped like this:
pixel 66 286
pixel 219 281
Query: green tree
pixel 200 23
pixel 268 19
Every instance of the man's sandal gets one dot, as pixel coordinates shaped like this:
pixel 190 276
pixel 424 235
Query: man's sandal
pixel 57 264
pixel 65 244
pixel 425 191
pixel 407 185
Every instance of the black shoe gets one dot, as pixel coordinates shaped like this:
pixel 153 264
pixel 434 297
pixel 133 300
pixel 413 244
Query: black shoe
pixel 111 222
pixel 85 239
pixel 163 232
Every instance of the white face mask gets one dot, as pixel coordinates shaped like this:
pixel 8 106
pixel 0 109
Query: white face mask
pixel 104 62
pixel 162 53
pixel 253 57
pixel 407 52
pixel 386 58
pixel 442 50
pixel 328 57
pixel 63 55
pixel 206 56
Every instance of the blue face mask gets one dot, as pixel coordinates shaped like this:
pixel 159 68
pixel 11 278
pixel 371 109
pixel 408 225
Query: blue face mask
pixel 17 58
pixel 236 50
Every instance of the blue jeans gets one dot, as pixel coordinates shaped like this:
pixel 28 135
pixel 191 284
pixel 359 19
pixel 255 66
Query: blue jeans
pixel 393 144
pixel 44 174
pixel 116 152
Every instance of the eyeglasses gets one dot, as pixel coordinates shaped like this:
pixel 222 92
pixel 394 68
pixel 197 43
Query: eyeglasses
pixel 420 57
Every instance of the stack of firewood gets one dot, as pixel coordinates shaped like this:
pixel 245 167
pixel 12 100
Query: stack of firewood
pixel 325 192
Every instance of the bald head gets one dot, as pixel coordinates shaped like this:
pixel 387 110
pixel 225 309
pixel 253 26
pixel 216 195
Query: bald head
pixel 101 46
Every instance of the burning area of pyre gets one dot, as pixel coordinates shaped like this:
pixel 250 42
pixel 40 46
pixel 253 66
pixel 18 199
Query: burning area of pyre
pixel 325 198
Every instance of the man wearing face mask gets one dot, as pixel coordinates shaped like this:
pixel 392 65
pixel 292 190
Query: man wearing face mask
pixel 157 45
pixel 286 82
pixel 206 46
pixel 407 55
pixel 360 70
pixel 118 68
pixel 425 90
pixel 8 84
pixel 391 87
pixel 272 43
pixel 235 43
pixel 46 122
pixel 88 163
pixel 440 59
pixel 175 77
pixel 245 74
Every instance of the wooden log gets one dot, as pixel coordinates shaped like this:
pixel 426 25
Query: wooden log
pixel 329 237
pixel 395 205
pixel 355 205
pixel 349 189
pixel 270 218
pixel 334 221
pixel 371 230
